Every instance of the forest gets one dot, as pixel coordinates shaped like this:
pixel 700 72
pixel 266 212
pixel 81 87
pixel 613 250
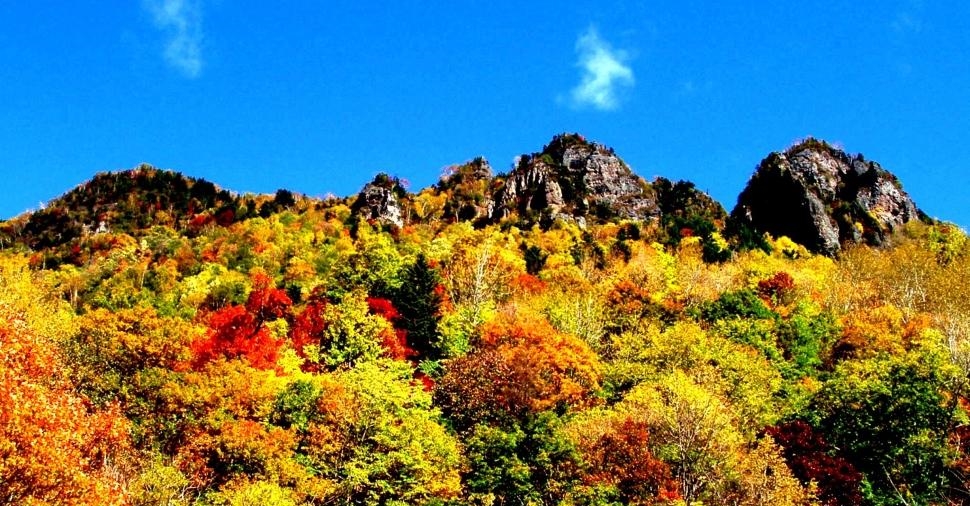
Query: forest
pixel 165 342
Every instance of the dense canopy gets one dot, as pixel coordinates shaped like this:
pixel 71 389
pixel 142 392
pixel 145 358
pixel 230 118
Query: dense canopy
pixel 293 352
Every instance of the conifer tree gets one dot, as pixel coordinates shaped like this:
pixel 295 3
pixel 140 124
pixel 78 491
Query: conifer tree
pixel 419 301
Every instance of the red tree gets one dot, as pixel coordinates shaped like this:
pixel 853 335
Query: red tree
pixel 308 327
pixel 395 342
pixel 621 457
pixel 811 458
pixel 240 331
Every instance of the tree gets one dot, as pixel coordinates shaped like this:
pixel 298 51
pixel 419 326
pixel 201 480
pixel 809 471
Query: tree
pixel 55 447
pixel 241 331
pixel 524 462
pixel 394 340
pixel 353 334
pixel 693 431
pixel 524 366
pixel 732 371
pixel 813 460
pixel 621 457
pixel 237 333
pixel 418 301
pixel 111 349
pixel 373 435
pixel 888 416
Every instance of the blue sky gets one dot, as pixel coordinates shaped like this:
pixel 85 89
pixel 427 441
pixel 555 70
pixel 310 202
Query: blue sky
pixel 317 97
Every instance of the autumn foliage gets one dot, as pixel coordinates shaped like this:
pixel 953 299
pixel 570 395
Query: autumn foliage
pixel 523 366
pixel 55 447
pixel 814 460
pixel 395 340
pixel 279 350
pixel 621 457
pixel 237 333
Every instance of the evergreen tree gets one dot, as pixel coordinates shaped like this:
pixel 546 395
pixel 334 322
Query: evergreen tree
pixel 418 300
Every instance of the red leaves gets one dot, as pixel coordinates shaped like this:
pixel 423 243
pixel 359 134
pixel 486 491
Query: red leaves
pixel 267 302
pixel 622 457
pixel 529 284
pixel 236 333
pixel 199 221
pixel 225 217
pixel 239 331
pixel 384 308
pixel 778 289
pixel 309 326
pixel 395 342
pixel 811 458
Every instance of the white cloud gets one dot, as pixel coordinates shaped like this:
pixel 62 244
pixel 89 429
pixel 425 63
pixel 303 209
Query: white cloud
pixel 181 21
pixel 604 72
pixel 907 23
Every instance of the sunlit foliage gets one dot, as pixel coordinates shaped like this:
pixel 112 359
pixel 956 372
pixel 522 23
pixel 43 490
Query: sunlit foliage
pixel 212 349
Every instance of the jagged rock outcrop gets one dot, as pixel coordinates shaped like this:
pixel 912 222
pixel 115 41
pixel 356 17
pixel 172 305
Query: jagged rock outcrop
pixel 379 200
pixel 821 197
pixel 574 179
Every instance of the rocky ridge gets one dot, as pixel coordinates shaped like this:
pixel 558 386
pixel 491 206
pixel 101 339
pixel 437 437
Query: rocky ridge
pixel 380 200
pixel 813 193
pixel 821 197
pixel 571 180
pixel 574 179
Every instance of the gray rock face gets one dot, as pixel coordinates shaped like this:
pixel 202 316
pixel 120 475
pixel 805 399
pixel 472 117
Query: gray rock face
pixel 572 178
pixel 529 188
pixel 821 197
pixel 378 202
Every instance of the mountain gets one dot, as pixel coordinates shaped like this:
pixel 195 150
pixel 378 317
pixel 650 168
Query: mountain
pixel 545 336
pixel 380 200
pixel 574 179
pixel 131 202
pixel 813 193
pixel 123 201
pixel 821 197
pixel 570 179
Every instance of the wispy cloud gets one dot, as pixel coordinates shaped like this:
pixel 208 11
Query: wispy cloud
pixel 181 22
pixel 692 88
pixel 907 23
pixel 604 72
pixel 905 30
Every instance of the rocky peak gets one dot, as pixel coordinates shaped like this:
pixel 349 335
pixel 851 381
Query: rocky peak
pixel 478 169
pixel 572 178
pixel 469 188
pixel 821 197
pixel 380 200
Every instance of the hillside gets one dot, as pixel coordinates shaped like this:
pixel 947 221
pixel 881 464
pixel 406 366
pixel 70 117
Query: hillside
pixel 565 333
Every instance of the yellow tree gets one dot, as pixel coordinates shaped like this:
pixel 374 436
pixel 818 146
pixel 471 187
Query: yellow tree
pixel 695 432
pixel 55 448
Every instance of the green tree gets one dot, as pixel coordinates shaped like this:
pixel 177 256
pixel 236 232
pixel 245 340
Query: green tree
pixel 418 300
pixel 889 417
pixel 374 435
